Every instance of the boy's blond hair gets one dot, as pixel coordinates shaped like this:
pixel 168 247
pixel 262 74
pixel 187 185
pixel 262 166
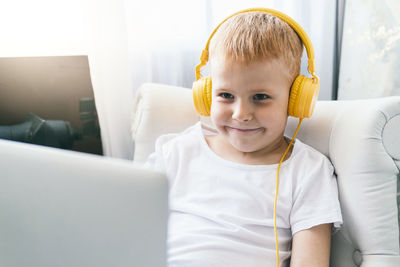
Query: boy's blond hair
pixel 257 36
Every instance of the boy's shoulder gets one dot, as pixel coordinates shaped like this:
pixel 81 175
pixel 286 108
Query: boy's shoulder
pixel 305 148
pixel 184 138
pixel 309 156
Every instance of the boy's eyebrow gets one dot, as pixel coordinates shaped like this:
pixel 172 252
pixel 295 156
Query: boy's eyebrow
pixel 222 89
pixel 257 90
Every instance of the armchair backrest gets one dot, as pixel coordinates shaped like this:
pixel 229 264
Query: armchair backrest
pixel 360 137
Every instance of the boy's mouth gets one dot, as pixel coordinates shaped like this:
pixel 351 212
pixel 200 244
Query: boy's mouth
pixel 243 129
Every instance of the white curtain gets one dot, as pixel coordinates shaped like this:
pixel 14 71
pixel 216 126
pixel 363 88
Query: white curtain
pixel 109 70
pixel 370 54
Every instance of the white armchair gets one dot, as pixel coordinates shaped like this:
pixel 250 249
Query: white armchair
pixel 361 138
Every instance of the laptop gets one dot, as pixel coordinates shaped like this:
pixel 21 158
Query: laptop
pixel 63 208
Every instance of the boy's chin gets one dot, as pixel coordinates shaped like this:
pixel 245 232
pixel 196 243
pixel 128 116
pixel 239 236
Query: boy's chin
pixel 244 148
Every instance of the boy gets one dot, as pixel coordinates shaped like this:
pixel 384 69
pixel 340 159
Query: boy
pixel 222 181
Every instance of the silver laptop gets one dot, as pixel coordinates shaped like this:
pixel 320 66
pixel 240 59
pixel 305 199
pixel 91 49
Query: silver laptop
pixel 64 208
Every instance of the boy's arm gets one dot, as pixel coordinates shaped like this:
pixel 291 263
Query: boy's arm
pixel 311 247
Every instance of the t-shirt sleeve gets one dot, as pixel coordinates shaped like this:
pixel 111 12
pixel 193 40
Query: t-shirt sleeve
pixel 315 198
pixel 156 160
pixel 166 151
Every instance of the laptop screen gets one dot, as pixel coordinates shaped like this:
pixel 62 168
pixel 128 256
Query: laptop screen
pixel 64 208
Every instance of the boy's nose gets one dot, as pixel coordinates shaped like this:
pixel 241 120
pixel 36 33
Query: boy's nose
pixel 242 112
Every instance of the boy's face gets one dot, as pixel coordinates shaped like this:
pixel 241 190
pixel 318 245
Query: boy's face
pixel 249 104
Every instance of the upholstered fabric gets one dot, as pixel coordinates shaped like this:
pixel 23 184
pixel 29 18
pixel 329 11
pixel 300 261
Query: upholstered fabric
pixel 361 138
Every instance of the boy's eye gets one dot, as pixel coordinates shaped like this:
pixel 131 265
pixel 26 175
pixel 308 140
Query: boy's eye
pixel 226 95
pixel 260 97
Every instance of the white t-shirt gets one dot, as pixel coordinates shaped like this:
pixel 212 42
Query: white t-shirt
pixel 221 212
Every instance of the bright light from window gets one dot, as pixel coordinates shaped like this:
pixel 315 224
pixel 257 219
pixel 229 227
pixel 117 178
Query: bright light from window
pixel 42 28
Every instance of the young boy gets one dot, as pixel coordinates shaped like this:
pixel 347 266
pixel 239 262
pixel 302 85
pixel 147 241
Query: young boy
pixel 222 182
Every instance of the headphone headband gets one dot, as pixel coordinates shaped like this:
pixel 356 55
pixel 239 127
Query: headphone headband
pixel 292 23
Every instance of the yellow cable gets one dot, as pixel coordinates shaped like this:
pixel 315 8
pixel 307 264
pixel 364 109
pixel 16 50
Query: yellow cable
pixel 276 191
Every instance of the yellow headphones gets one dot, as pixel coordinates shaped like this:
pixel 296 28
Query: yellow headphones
pixel 304 91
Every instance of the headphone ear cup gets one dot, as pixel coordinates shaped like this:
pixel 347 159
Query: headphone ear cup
pixel 303 97
pixel 202 95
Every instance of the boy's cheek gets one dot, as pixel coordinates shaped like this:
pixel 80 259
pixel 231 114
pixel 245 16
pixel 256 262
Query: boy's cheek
pixel 218 107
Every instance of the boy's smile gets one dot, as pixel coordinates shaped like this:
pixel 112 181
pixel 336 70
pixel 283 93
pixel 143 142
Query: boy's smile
pixel 243 130
pixel 249 109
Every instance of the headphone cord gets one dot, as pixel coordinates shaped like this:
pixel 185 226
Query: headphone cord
pixel 276 190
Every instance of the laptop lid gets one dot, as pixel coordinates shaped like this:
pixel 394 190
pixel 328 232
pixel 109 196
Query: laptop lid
pixel 64 208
